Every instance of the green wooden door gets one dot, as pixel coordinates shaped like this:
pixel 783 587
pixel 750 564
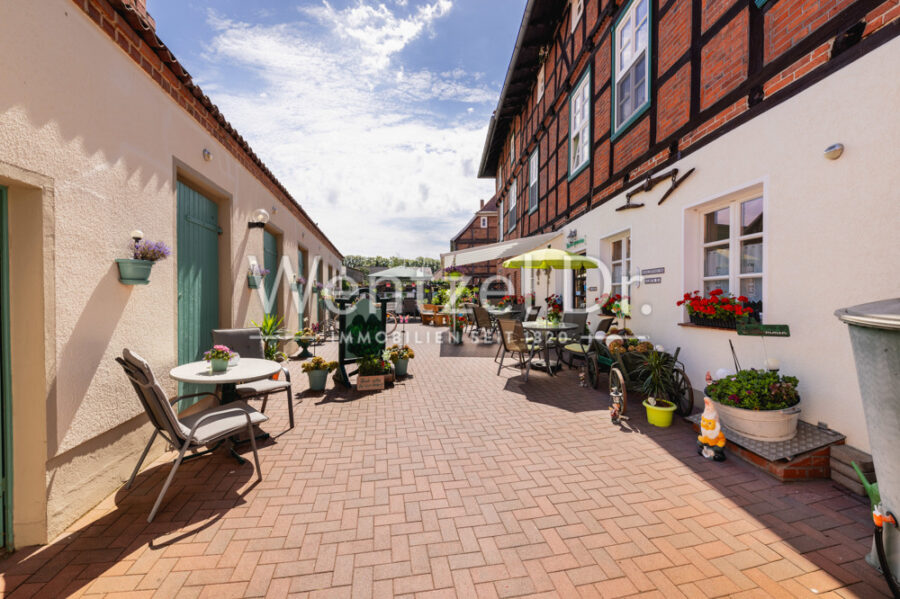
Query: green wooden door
pixel 270 262
pixel 198 277
pixel 6 473
pixel 301 272
pixel 319 301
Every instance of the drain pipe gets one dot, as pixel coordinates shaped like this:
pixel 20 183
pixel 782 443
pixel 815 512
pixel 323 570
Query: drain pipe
pixel 880 518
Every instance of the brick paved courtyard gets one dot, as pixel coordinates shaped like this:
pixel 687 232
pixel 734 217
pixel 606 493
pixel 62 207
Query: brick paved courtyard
pixel 458 482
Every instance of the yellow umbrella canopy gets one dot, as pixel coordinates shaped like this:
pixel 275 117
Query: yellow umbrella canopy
pixel 550 258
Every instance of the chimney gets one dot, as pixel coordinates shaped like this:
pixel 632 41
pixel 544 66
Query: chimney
pixel 482 205
pixel 140 8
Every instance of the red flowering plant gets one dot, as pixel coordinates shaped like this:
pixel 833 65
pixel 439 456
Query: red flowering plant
pixel 458 323
pixel 554 307
pixel 608 306
pixel 726 309
pixel 509 300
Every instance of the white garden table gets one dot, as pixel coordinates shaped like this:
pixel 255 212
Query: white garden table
pixel 246 370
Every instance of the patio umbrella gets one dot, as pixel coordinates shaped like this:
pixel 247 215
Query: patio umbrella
pixel 550 258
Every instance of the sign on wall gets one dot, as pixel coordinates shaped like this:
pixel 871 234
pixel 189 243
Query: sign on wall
pixel 763 330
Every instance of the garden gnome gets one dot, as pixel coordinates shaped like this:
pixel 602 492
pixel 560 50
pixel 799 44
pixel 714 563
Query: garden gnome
pixel 711 442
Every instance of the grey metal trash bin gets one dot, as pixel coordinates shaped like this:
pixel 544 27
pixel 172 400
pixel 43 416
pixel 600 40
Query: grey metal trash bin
pixel 875 338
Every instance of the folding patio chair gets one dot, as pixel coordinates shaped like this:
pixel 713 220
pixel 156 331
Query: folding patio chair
pixel 190 432
pixel 514 341
pixel 249 344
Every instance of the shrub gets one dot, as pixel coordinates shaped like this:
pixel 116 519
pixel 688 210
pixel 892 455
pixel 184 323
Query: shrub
pixel 755 390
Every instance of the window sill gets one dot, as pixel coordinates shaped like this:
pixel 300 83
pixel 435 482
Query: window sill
pixel 691 325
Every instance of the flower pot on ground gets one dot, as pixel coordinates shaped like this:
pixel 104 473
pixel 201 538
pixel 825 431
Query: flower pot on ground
pixel 457 324
pixel 373 371
pixel 136 270
pixel 219 357
pixel 400 357
pixel 656 371
pixel 758 404
pixel 271 331
pixel 317 369
pixel 660 412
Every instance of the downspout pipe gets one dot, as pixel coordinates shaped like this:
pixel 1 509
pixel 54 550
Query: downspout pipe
pixel 881 518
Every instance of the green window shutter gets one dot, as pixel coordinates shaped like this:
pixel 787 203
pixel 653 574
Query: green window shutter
pixel 270 262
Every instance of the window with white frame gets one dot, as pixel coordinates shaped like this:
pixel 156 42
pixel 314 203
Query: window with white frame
pixel 484 222
pixel 511 213
pixel 533 170
pixel 733 238
pixel 577 10
pixel 499 177
pixel 631 48
pixel 620 263
pixel 580 126
pixel 540 84
pixel 512 149
pixel 500 218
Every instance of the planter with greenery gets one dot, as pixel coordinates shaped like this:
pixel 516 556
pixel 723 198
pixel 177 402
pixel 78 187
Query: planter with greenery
pixel 400 357
pixel 554 308
pixel 373 373
pixel 304 339
pixel 218 358
pixel 656 372
pixel 758 404
pixel 255 274
pixel 136 270
pixel 717 310
pixel 457 325
pixel 318 370
pixel 272 333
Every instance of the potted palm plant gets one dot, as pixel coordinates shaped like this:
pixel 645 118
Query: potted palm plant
pixel 136 270
pixel 318 370
pixel 656 373
pixel 271 331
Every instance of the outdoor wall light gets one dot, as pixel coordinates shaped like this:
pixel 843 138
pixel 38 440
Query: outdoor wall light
pixel 137 235
pixel 834 151
pixel 259 219
pixel 207 155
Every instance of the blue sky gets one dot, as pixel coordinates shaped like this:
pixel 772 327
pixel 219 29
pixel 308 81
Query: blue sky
pixel 372 113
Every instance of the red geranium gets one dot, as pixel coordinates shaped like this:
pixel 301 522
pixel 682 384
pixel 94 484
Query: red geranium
pixel 717 305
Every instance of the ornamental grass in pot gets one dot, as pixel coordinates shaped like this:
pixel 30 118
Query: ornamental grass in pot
pixel 317 369
pixel 759 404
pixel 656 372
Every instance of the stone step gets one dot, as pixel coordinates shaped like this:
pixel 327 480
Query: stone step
pixel 851 484
pixel 849 472
pixel 846 454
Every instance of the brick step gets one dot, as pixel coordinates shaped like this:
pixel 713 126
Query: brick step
pixel 846 454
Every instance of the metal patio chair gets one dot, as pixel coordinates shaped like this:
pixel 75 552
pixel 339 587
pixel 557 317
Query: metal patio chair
pixel 584 344
pixel 249 344
pixel 484 325
pixel 514 341
pixel 201 429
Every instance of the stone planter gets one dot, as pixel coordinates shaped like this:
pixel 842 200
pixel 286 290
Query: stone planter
pixel 134 272
pixel 317 379
pixel 761 425
pixel 401 366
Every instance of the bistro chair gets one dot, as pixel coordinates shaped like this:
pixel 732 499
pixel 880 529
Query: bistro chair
pixel 469 311
pixel 197 430
pixel 409 307
pixel 484 326
pixel 514 341
pixel 249 344
pixel 532 313
pixel 585 344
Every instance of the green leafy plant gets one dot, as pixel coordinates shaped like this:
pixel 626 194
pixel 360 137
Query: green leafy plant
pixel 373 365
pixel 656 372
pixel 755 390
pixel 440 297
pixel 271 330
pixel 318 363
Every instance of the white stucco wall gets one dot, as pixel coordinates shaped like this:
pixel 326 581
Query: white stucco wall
pixel 80 113
pixel 831 232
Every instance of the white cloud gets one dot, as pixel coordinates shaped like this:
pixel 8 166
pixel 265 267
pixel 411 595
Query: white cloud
pixel 359 139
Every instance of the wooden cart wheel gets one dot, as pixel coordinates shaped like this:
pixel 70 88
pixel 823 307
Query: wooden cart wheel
pixel 683 394
pixel 593 370
pixel 617 386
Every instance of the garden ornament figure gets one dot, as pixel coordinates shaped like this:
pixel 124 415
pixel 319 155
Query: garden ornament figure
pixel 711 442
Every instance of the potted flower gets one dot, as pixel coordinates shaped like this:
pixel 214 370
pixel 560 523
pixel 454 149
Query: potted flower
pixel 318 370
pixel 554 308
pixel 304 339
pixel 717 310
pixel 458 322
pixel 219 357
pixel 608 306
pixel 758 404
pixel 136 270
pixel 298 282
pixel 255 274
pixel 656 373
pixel 400 357
pixel 372 373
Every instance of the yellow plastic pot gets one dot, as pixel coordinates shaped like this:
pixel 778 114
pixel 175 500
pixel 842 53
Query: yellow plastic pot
pixel 660 414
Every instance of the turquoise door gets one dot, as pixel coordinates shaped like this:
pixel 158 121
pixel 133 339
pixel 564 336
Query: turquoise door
pixel 319 301
pixel 198 277
pixel 6 539
pixel 270 262
pixel 301 272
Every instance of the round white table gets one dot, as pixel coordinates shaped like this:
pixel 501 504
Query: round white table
pixel 245 371
pixel 543 329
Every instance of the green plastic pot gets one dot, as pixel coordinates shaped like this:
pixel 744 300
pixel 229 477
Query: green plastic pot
pixel 253 281
pixel 134 272
pixel 218 365
pixel 401 366
pixel 660 415
pixel 317 379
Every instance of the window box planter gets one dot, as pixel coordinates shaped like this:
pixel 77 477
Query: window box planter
pixel 761 425
pixel 719 323
pixel 134 272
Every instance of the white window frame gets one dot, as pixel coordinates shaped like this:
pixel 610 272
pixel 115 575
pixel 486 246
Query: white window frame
pixel 622 69
pixel 533 174
pixel 512 149
pixel 484 222
pixel 540 83
pixel 511 212
pixel 624 261
pixel 577 11
pixel 580 125
pixel 499 176
pixel 501 216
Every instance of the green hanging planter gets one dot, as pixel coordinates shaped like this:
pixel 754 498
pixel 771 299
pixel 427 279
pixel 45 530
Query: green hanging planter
pixel 253 281
pixel 134 272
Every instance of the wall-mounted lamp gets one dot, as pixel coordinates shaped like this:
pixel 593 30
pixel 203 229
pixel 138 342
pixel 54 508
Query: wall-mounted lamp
pixel 137 235
pixel 834 151
pixel 207 155
pixel 259 219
